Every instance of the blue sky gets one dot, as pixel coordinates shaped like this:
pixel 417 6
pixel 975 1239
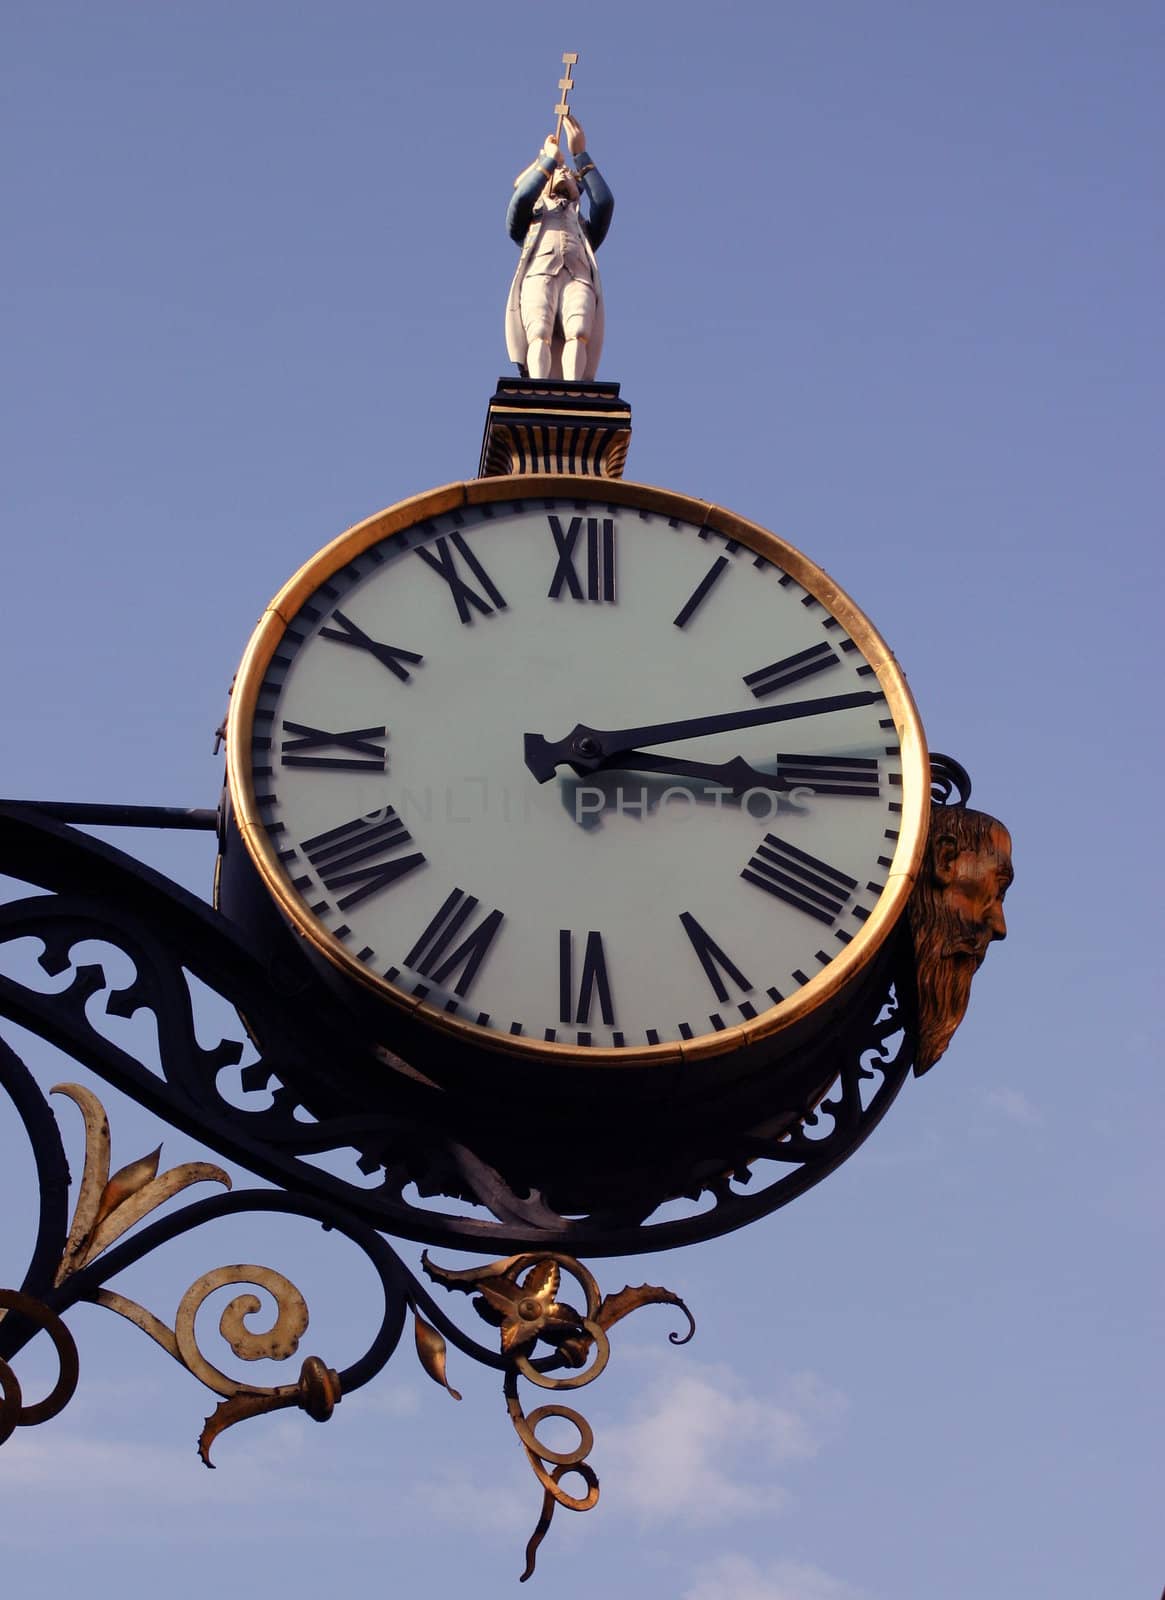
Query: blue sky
pixel 885 279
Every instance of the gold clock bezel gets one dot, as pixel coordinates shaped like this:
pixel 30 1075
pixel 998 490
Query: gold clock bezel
pixel 832 980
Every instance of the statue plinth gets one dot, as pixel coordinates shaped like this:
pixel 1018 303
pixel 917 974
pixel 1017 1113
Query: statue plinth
pixel 552 425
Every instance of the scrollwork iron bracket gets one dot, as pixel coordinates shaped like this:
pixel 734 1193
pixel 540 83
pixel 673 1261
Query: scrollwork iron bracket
pixel 79 890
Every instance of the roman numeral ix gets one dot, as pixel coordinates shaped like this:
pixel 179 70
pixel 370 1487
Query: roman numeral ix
pixel 593 980
pixel 600 553
pixel 780 674
pixel 428 956
pixel 364 753
pixel 389 655
pixel 713 959
pixel 799 879
pixel 831 774
pixel 444 562
pixel 349 857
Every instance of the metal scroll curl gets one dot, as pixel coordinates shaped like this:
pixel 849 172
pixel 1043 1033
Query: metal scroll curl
pixel 14 1413
pixel 950 782
pixel 520 1296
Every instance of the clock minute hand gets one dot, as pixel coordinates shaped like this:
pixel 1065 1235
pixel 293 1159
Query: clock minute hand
pixel 587 749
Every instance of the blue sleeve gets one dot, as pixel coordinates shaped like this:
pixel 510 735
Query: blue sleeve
pixel 600 200
pixel 525 197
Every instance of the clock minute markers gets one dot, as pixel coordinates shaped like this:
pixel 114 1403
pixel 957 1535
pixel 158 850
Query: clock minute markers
pixel 593 749
pixel 485 969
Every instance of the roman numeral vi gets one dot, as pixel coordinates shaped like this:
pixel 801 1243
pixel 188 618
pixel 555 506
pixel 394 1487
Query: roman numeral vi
pixel 594 980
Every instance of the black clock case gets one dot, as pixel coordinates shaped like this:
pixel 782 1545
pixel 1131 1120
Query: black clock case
pixel 585 1137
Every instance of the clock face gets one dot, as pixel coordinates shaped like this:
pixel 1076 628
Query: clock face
pixel 593 767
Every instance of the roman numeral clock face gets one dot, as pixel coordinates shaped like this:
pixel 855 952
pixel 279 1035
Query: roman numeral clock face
pixel 593 768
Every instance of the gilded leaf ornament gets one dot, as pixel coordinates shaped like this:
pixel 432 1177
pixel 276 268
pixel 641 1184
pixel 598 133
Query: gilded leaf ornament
pixel 108 1207
pixel 519 1297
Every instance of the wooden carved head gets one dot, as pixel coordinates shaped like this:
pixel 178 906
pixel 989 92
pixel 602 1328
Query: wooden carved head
pixel 956 912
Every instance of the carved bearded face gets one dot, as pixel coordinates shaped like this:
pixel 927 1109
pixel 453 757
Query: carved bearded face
pixel 956 912
pixel 973 880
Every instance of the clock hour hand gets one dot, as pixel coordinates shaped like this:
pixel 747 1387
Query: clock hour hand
pixel 589 749
pixel 736 774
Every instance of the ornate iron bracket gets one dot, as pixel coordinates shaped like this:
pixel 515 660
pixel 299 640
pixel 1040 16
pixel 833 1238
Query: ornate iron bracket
pixel 518 1295
pixel 84 890
pixel 98 893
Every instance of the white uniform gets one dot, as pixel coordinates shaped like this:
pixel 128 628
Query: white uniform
pixel 556 293
pixel 558 286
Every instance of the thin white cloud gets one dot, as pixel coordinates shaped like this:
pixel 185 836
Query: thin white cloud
pixel 734 1577
pixel 166 1495
pixel 1013 1105
pixel 65 1463
pixel 501 1502
pixel 167 1486
pixel 701 1448
pixel 696 1445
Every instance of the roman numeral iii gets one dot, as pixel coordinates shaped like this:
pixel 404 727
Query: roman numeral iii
pixel 442 558
pixel 600 558
pixel 592 981
pixel 350 856
pixel 799 879
pixel 431 955
pixel 389 655
pixel 365 753
pixel 856 775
